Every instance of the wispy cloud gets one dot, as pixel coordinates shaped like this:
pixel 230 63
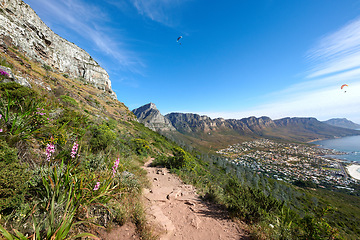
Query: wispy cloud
pixel 158 10
pixel 335 60
pixel 89 22
pixel 337 52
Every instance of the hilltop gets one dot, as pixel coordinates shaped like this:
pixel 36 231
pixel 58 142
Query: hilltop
pixel 342 122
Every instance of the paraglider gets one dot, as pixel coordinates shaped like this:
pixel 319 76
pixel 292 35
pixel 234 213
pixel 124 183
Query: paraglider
pixel 344 85
pixel 178 39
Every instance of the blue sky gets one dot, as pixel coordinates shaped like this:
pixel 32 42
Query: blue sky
pixel 237 58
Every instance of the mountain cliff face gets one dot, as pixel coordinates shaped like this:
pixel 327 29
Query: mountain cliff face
pixel 206 131
pixel 188 122
pixel 151 117
pixel 342 122
pixel 22 28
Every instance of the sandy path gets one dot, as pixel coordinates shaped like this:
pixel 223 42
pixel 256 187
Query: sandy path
pixel 176 212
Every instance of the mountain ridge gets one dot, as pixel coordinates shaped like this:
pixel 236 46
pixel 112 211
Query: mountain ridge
pixel 202 129
pixel 342 122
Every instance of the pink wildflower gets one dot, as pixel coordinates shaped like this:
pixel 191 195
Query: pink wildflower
pixel 50 149
pixel 116 165
pixel 74 149
pixel 97 185
pixel 0 116
pixel 1 130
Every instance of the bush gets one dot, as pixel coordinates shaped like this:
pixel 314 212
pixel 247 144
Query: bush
pixel 140 146
pixel 248 203
pixel 5 63
pixel 180 158
pixel 46 67
pixel 69 101
pixel 16 91
pixel 13 179
pixel 102 137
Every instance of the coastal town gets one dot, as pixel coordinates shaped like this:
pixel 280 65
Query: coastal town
pixel 293 163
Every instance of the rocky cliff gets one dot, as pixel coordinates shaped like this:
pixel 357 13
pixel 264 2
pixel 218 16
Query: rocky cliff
pixel 21 27
pixel 151 117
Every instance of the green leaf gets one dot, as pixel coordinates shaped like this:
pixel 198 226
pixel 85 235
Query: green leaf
pixel 5 233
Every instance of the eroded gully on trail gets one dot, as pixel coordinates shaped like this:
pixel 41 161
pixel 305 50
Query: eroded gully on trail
pixel 175 211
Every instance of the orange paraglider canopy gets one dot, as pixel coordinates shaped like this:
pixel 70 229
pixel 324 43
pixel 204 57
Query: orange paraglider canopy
pixel 344 85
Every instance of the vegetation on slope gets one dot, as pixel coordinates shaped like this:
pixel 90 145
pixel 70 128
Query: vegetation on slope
pixel 70 158
pixel 273 209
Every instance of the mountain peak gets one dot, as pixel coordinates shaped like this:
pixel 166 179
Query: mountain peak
pixel 151 106
pixel 151 117
pixel 342 122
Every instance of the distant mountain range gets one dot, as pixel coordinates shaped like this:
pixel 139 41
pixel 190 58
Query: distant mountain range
pixel 342 122
pixel 216 133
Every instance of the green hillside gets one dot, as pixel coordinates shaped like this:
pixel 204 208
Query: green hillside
pixel 70 157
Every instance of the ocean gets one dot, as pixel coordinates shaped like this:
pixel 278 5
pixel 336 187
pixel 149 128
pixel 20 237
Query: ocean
pixel 350 145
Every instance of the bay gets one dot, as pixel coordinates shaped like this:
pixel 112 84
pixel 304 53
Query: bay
pixel 349 145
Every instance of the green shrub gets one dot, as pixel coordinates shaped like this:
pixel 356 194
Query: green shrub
pixel 140 146
pixel 16 91
pixel 248 203
pixel 180 158
pixel 20 118
pixel 102 137
pixel 69 101
pixel 46 67
pixel 13 179
pixel 3 62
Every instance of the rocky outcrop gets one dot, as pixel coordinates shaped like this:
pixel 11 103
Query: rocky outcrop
pixel 22 28
pixel 13 78
pixel 151 117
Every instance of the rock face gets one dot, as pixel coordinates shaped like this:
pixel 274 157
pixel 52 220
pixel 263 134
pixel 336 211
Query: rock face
pixel 188 122
pixel 151 117
pixel 22 28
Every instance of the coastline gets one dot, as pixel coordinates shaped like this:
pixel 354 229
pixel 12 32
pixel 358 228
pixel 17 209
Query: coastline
pixel 315 140
pixel 352 170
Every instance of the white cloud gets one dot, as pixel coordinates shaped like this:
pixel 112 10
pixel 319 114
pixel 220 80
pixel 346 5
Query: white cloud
pixel 337 52
pixel 344 41
pixel 158 10
pixel 89 21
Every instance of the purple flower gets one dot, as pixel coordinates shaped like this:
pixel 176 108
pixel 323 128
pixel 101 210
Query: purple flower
pixel 1 130
pixel 0 116
pixel 74 149
pixel 97 185
pixel 3 73
pixel 116 165
pixel 50 149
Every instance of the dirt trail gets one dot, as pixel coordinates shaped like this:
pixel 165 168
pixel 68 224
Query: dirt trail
pixel 176 211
